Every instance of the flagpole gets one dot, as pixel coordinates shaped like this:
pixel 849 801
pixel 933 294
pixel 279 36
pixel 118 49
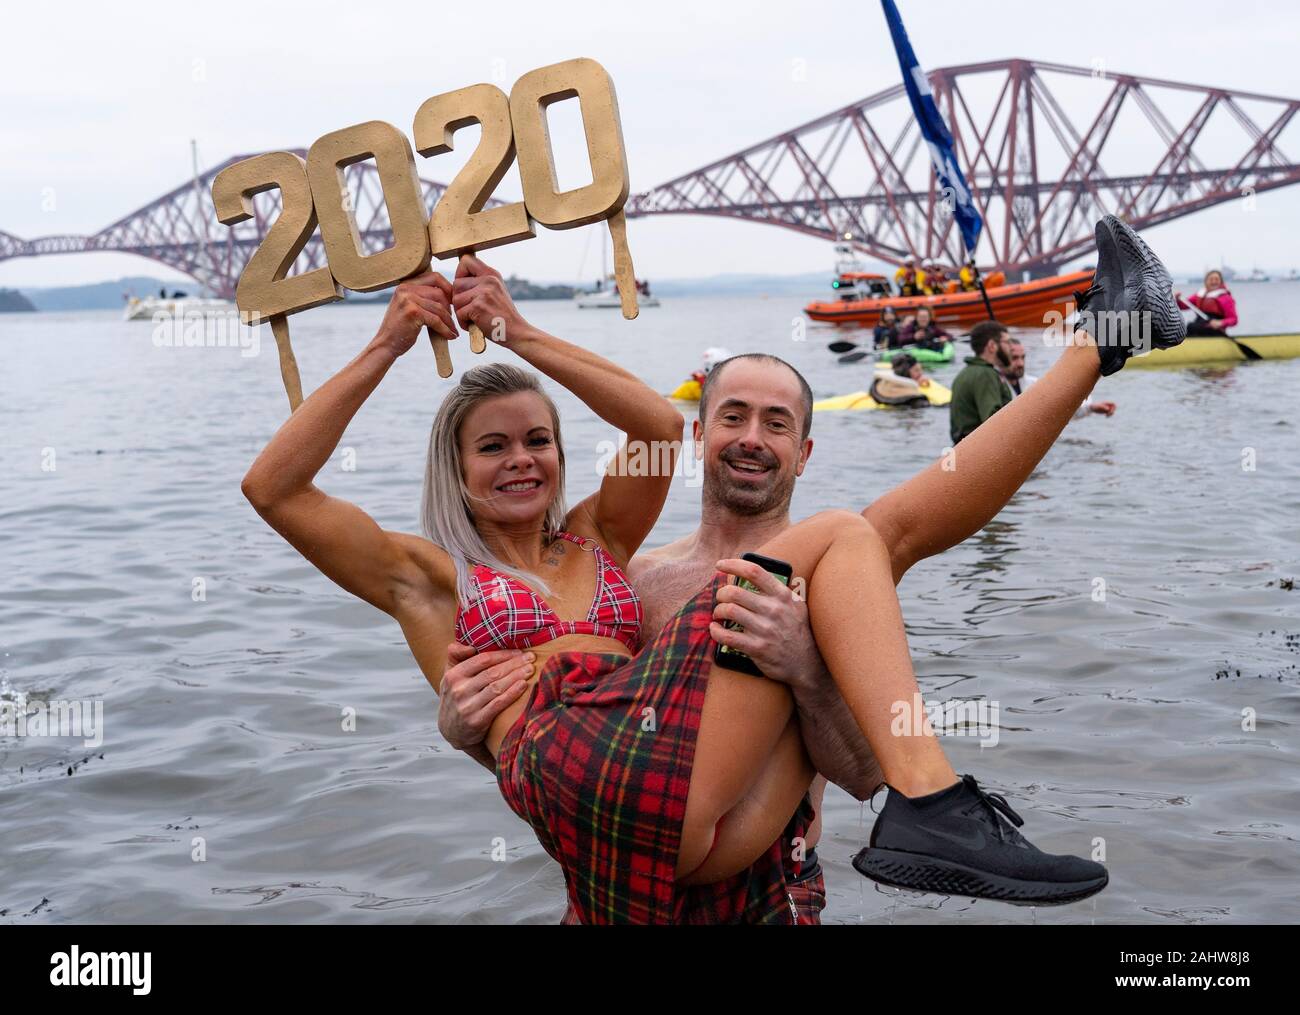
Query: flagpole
pixel 930 122
pixel 979 281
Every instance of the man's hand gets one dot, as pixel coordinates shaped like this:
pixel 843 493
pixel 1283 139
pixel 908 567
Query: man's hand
pixel 420 301
pixel 1105 408
pixel 476 688
pixel 480 297
pixel 776 632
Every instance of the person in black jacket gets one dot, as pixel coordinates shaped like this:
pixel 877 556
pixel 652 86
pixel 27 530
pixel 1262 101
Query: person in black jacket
pixel 886 333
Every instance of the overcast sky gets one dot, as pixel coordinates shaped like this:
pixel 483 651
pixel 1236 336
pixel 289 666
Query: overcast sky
pixel 100 102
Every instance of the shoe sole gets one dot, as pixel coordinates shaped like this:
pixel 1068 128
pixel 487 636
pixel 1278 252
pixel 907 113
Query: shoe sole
pixel 921 873
pixel 1139 262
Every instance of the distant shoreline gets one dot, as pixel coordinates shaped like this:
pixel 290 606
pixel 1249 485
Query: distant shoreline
pixel 14 302
pixel 110 295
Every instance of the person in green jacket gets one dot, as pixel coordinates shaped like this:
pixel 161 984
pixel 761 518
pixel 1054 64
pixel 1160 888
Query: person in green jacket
pixel 979 390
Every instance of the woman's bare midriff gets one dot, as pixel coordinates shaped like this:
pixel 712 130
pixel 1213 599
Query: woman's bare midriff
pixel 569 643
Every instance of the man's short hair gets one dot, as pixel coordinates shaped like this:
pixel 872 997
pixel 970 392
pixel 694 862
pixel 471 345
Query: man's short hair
pixel 984 333
pixel 804 390
pixel 903 363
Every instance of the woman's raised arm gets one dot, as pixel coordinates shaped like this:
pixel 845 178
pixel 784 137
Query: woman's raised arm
pixel 344 542
pixel 625 508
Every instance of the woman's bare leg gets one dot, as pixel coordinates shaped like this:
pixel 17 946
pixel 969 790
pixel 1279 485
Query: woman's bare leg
pixel 762 813
pixel 950 502
pixel 859 627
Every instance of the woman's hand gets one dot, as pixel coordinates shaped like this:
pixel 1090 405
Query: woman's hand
pixel 420 301
pixel 480 297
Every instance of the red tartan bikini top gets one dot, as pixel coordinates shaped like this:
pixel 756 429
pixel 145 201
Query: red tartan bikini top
pixel 503 612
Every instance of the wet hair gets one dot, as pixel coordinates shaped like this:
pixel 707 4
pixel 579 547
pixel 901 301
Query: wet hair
pixel 447 509
pixel 804 390
pixel 888 312
pixel 903 363
pixel 984 333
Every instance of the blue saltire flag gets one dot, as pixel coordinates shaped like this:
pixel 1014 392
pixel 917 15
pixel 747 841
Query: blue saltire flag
pixel 935 132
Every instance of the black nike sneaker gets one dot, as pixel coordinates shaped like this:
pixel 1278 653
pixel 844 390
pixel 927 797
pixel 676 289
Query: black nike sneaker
pixel 960 841
pixel 1130 306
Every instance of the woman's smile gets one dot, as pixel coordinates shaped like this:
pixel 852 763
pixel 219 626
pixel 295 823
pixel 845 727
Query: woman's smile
pixel 520 487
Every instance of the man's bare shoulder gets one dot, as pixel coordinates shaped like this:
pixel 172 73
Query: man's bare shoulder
pixel 646 560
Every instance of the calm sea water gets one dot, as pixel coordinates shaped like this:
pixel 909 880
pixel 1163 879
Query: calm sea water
pixel 1162 721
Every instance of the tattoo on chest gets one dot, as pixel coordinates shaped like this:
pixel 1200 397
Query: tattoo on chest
pixel 554 552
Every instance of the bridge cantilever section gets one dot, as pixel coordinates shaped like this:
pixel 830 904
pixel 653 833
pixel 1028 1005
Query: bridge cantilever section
pixel 180 229
pixel 863 171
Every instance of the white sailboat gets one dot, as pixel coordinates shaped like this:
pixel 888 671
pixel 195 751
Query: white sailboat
pixel 179 304
pixel 605 296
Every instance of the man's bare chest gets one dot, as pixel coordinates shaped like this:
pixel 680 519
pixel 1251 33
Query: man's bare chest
pixel 665 588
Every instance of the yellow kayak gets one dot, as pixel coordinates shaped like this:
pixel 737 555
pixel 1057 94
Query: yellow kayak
pixel 687 391
pixel 1197 349
pixel 934 392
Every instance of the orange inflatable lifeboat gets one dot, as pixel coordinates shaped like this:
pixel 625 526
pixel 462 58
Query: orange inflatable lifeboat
pixel 1023 304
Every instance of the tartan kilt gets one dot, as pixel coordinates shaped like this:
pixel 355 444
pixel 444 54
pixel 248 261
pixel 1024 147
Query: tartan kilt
pixel 599 764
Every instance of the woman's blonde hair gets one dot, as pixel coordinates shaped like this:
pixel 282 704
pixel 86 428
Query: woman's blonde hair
pixel 447 510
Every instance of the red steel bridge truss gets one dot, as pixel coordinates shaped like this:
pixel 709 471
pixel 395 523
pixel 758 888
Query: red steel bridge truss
pixel 1046 148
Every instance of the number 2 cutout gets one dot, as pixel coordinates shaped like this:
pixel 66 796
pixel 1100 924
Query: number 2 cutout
pixel 263 291
pixel 459 222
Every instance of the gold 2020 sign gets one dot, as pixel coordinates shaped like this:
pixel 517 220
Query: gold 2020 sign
pixel 513 128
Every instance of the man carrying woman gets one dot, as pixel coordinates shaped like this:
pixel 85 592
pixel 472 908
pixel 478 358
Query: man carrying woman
pixel 648 772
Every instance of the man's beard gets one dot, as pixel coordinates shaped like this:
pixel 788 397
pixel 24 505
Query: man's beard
pixel 1003 358
pixel 721 488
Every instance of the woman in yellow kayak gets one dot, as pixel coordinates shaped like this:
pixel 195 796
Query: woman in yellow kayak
pixel 905 365
pixel 1215 309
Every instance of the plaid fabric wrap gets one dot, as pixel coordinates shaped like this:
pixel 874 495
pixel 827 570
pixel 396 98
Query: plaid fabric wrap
pixel 809 897
pixel 603 783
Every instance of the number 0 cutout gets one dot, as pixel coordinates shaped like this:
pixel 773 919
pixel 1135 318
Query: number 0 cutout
pixel 589 82
pixel 395 164
pixel 459 224
pixel 262 290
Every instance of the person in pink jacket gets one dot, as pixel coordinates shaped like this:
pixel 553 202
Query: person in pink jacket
pixel 1218 310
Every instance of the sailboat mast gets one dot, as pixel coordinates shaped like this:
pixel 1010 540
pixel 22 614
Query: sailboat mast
pixel 203 218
